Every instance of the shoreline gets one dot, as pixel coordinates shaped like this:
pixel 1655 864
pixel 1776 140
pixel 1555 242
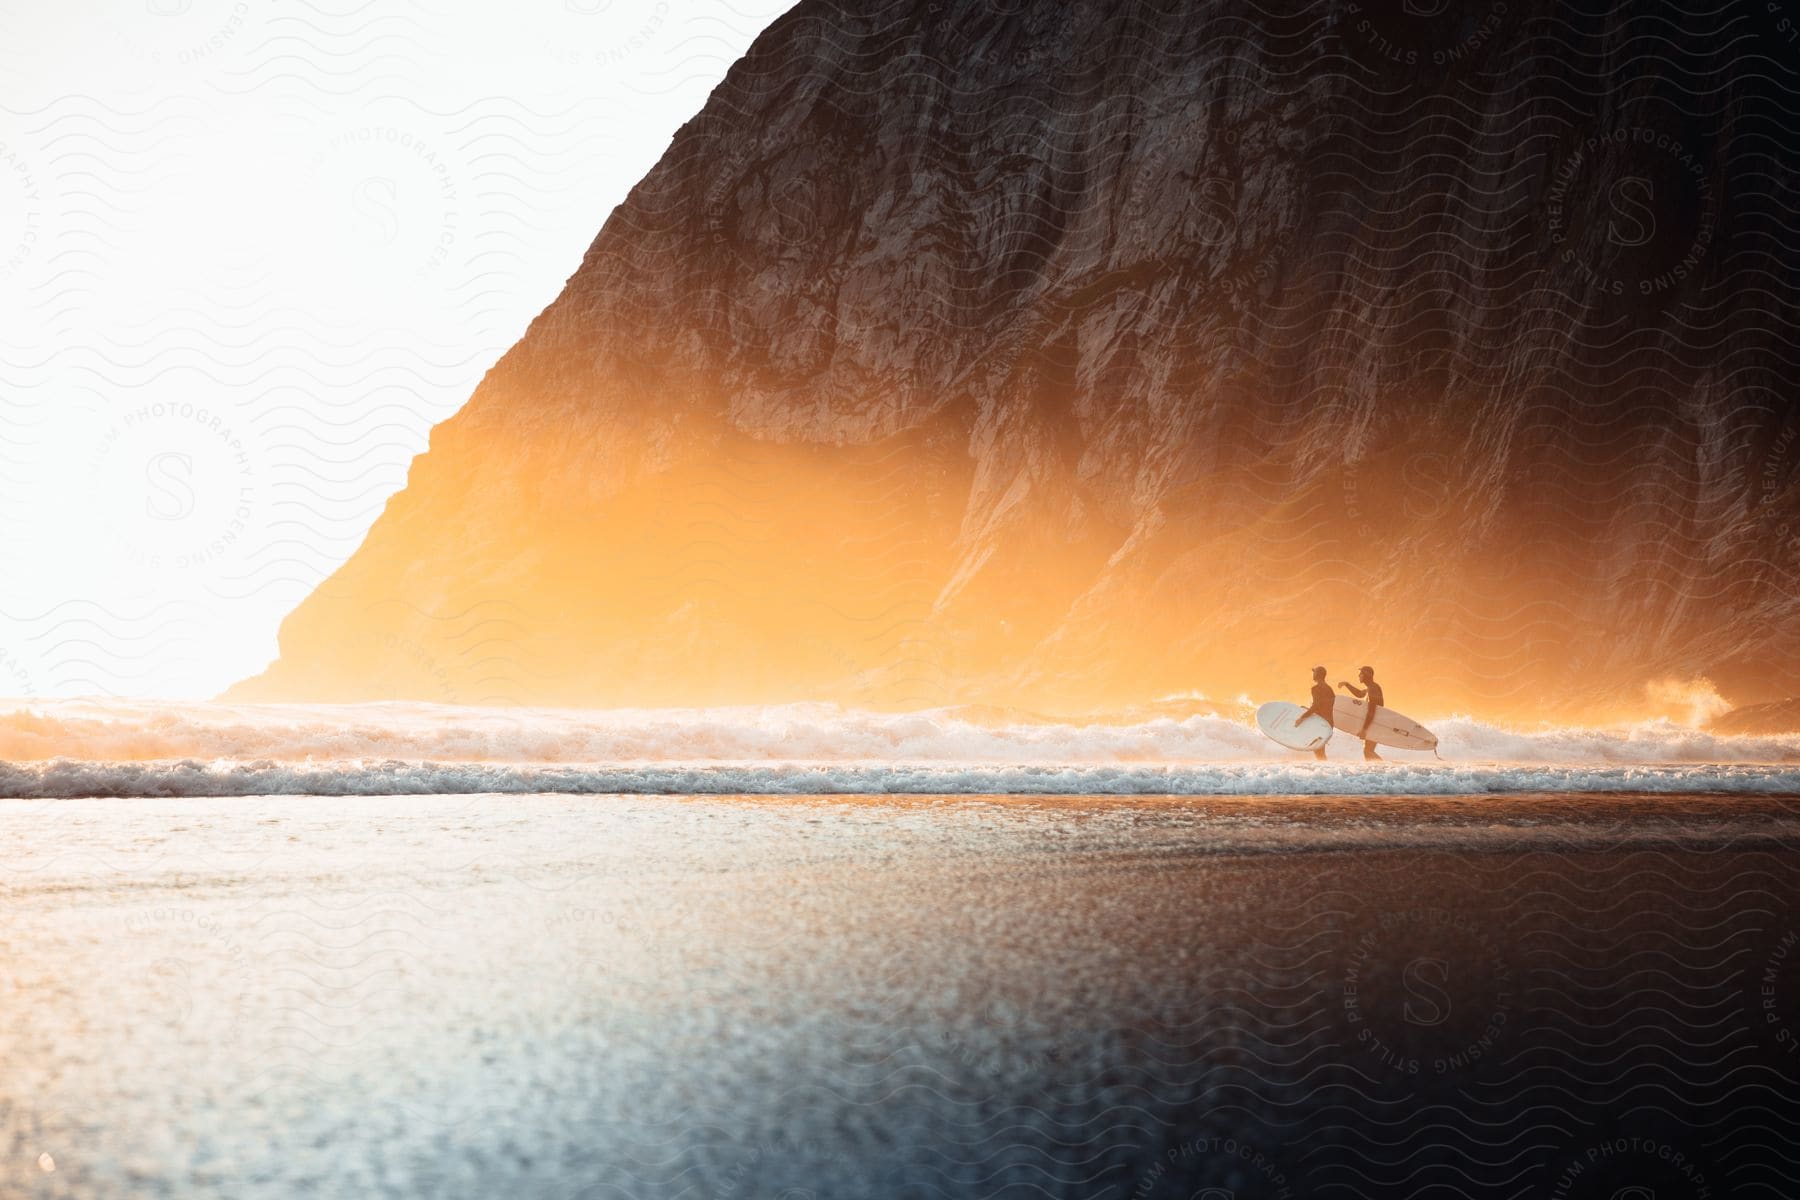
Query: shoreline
pixel 62 779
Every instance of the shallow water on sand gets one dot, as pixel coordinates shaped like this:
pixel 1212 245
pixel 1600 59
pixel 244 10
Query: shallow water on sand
pixel 826 996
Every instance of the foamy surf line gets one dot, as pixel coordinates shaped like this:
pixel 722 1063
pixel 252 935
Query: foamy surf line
pixel 68 780
pixel 329 736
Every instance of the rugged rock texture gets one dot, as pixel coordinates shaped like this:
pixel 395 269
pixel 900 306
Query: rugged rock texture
pixel 1069 353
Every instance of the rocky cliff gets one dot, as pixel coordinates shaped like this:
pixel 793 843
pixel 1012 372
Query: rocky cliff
pixel 1066 354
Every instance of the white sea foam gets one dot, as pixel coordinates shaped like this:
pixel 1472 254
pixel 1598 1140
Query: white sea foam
pixel 67 748
pixel 193 778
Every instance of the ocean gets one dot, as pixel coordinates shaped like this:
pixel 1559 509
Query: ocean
pixel 116 748
pixel 1503 988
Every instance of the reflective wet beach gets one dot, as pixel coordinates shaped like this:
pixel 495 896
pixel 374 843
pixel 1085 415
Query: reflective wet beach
pixel 744 997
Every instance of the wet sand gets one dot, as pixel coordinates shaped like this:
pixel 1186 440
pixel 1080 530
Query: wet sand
pixel 469 996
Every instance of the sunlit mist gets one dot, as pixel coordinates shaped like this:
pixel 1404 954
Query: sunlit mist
pixel 249 255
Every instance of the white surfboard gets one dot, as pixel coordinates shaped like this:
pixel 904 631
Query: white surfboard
pixel 1388 729
pixel 1276 719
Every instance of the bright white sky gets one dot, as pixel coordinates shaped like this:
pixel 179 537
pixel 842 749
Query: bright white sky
pixel 250 252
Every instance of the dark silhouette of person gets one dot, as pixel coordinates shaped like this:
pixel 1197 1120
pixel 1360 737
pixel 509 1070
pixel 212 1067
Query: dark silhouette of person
pixel 1323 698
pixel 1372 691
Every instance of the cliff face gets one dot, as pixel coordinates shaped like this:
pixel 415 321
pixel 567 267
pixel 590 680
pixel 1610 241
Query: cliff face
pixel 1068 353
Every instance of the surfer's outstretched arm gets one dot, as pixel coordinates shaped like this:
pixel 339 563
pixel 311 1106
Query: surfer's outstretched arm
pixel 1352 689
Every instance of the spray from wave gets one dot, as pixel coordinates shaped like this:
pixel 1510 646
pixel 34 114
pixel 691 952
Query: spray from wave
pixel 90 748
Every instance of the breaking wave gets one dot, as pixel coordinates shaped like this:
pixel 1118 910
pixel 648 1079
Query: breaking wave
pixel 192 778
pixel 92 748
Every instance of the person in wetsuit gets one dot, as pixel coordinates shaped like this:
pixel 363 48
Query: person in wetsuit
pixel 1371 691
pixel 1322 700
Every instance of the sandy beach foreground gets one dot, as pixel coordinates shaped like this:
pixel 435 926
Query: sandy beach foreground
pixel 477 995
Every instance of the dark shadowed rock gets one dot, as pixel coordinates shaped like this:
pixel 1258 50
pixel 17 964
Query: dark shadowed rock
pixel 994 351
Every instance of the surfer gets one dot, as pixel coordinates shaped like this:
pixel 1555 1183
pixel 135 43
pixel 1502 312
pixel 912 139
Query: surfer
pixel 1372 692
pixel 1323 698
